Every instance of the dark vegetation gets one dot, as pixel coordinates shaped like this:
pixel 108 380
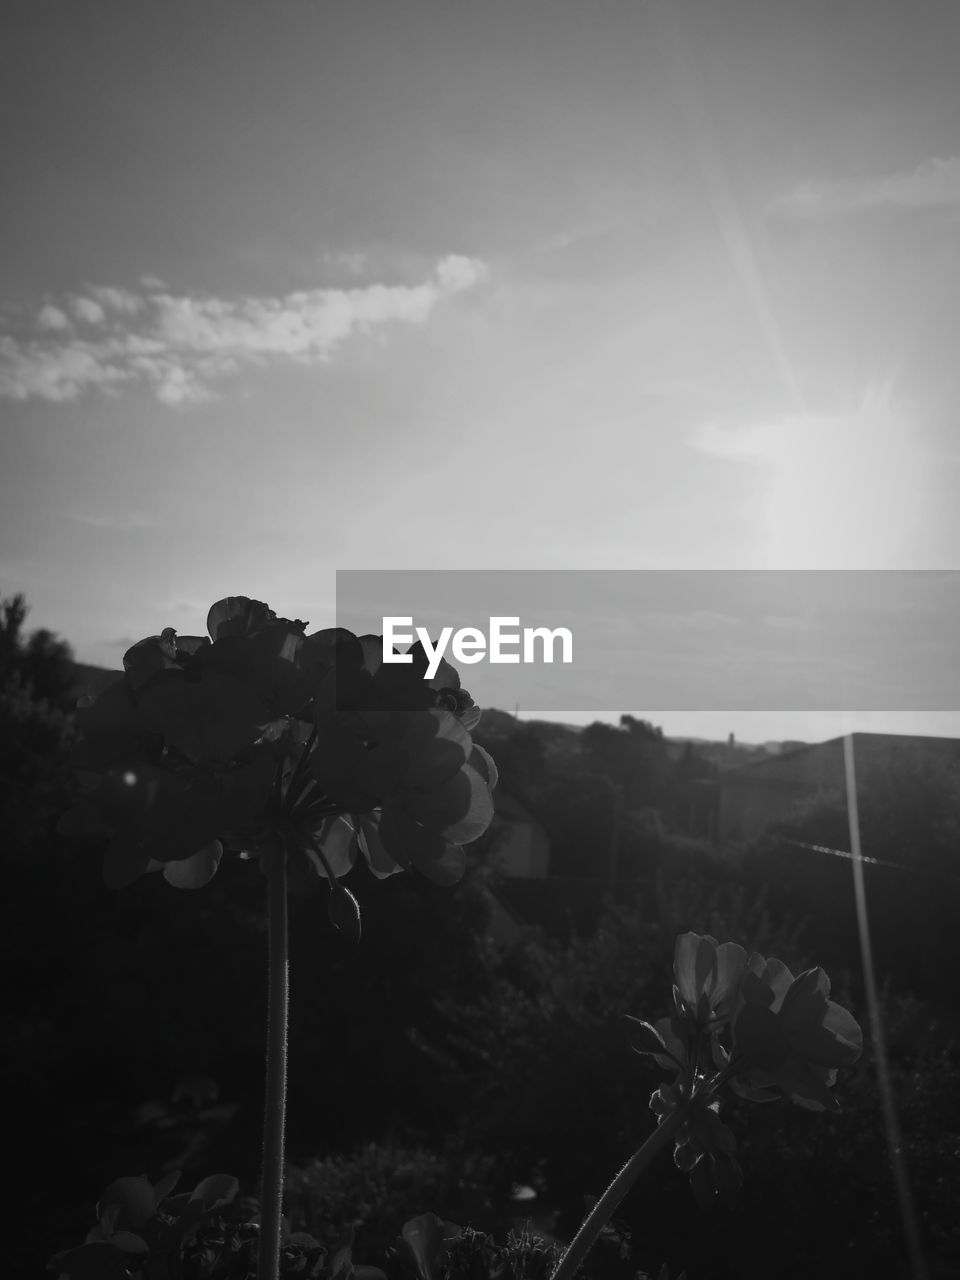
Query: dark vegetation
pixel 432 1070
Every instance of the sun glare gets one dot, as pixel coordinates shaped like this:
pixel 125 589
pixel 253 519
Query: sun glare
pixel 845 491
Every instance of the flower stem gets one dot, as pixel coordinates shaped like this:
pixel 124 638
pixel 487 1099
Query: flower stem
pixel 275 1097
pixel 609 1202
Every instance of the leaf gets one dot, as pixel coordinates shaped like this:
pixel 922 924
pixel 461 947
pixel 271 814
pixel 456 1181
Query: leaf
pixel 196 871
pixel 646 1038
pixel 166 1185
pixel 216 1190
pixel 131 1199
pixel 426 1237
pixel 672 1032
pixel 129 1242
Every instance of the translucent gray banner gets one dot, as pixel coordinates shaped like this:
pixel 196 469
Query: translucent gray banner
pixel 746 640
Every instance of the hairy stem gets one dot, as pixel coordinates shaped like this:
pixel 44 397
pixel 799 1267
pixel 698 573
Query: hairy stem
pixel 275 1099
pixel 609 1202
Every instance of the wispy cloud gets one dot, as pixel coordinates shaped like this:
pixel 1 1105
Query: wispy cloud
pixel 933 184
pixel 180 345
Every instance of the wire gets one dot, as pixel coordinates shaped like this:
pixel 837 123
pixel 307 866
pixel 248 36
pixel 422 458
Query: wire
pixel 845 853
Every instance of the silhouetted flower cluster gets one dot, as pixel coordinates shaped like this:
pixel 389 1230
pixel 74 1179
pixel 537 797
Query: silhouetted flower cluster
pixel 259 735
pixel 746 1021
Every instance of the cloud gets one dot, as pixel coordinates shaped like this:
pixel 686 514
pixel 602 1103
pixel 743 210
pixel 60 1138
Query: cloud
pixel 933 184
pixel 179 345
pixel 120 300
pixel 87 310
pixel 52 318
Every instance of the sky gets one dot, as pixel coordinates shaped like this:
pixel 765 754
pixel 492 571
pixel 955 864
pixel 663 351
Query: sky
pixel 314 286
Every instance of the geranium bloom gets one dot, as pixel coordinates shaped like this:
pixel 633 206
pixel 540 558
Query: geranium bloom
pixel 788 1033
pixel 261 735
pixel 749 1023
pixel 707 976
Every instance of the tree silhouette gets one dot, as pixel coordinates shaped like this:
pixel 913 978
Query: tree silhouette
pixel 42 662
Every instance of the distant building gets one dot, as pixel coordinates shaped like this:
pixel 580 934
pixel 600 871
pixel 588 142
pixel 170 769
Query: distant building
pixel 755 795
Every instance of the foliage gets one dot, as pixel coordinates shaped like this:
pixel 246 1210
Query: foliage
pixel 264 736
pixel 35 731
pixel 633 756
pixel 370 1191
pixel 41 663
pixel 440 1250
pixel 145 1232
pixel 579 814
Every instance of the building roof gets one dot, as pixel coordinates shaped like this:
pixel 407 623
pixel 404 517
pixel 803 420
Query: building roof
pixel 805 763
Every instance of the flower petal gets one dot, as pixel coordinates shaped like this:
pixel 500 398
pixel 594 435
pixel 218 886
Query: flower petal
pixel 196 871
pixel 238 616
pixel 694 963
pixel 337 840
pixel 731 966
pixel 484 764
pixel 381 863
